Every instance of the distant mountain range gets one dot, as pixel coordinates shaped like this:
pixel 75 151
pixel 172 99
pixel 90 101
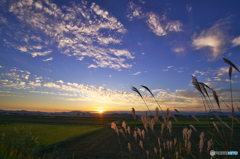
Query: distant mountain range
pixel 106 113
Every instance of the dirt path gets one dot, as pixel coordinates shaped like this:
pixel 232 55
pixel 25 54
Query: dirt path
pixel 100 145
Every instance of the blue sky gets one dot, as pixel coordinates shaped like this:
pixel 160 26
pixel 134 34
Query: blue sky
pixel 86 55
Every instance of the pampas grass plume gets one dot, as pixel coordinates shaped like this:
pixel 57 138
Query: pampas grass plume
pixel 133 113
pixel 143 134
pixel 129 147
pixel 193 127
pixel 195 118
pixel 147 154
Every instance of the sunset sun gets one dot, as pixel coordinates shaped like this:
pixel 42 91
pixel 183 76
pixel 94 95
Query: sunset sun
pixel 100 111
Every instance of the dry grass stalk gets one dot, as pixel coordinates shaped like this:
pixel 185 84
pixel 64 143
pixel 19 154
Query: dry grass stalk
pixel 114 126
pixel 185 143
pixel 156 114
pixel 143 134
pixel 184 133
pixel 152 123
pixel 231 64
pixel 195 118
pixel 139 132
pixel 133 113
pixel 230 116
pixel 223 121
pixel 189 147
pixel 155 150
pixel 177 112
pixel 167 143
pixel 216 97
pixel 189 134
pixel 147 154
pixel 164 145
pixel 217 116
pixel 162 127
pixel 128 129
pixel 171 145
pixel 129 147
pixel 201 145
pixel 160 150
pixel 193 127
pixel 159 143
pixel 174 117
pixel 209 144
pixel 202 135
pixel 124 126
pixel 121 130
pixel 141 143
pixel 166 116
pixel 176 155
pixel 216 127
pixel 135 135
pixel 145 126
pixel 226 125
pixel 196 85
pixel 170 127
pixel 175 141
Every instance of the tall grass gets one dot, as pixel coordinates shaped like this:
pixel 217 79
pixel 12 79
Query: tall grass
pixel 165 145
pixel 20 143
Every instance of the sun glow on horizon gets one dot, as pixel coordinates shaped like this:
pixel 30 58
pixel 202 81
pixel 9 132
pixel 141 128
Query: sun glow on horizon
pixel 100 111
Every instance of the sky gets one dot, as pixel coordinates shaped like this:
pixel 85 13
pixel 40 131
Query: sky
pixel 60 55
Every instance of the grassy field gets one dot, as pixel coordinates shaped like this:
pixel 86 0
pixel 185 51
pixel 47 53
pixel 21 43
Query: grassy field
pixel 49 134
pixel 104 143
pixel 57 120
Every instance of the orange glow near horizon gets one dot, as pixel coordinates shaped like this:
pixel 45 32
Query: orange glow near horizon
pixel 100 111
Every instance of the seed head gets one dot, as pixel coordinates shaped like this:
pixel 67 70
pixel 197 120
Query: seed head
pixel 189 146
pixel 209 145
pixel 133 113
pixel 159 143
pixel 129 147
pixel 175 141
pixel 135 135
pixel 155 150
pixel 143 134
pixel 141 144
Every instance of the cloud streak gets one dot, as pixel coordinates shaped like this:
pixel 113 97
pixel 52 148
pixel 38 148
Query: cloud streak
pixel 49 59
pixel 159 25
pixel 214 38
pixel 80 30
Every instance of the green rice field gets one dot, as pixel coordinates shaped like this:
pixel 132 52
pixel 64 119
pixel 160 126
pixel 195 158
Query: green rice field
pixel 49 134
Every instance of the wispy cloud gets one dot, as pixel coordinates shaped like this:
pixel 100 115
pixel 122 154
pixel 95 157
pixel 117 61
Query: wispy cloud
pixel 236 41
pixel 51 85
pixel 159 25
pixel 178 49
pixel 137 73
pixel 169 66
pixel 213 38
pixel 34 84
pixel 189 8
pixel 80 30
pixel 49 59
pixel 166 70
pixel 92 65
